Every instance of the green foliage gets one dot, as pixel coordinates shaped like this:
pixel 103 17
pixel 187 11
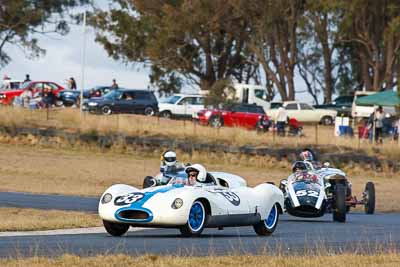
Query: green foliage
pixel 21 19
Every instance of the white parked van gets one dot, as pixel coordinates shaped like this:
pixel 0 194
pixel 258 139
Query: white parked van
pixel 361 111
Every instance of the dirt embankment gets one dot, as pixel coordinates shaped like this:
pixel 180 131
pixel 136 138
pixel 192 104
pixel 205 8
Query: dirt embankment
pixel 339 156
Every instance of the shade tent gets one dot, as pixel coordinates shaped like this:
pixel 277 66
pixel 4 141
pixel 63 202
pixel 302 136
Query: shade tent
pixel 385 98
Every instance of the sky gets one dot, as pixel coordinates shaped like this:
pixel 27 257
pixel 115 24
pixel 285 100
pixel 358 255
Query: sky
pixel 63 59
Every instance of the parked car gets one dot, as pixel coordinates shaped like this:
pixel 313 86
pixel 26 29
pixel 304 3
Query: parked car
pixel 180 105
pixel 124 101
pixel 305 113
pixel 341 104
pixel 249 116
pixel 7 97
pixel 10 84
pixel 72 97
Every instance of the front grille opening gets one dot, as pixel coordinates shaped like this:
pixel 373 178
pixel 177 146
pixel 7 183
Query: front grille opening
pixel 134 215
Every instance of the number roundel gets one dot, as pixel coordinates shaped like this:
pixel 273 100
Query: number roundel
pixel 128 199
pixel 309 193
pixel 231 197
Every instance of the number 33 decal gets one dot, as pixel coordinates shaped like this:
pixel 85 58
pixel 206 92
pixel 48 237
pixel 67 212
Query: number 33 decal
pixel 128 199
pixel 231 197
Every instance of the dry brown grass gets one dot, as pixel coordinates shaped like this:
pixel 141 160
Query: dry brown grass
pixel 151 126
pixel 90 172
pixel 18 219
pixel 381 259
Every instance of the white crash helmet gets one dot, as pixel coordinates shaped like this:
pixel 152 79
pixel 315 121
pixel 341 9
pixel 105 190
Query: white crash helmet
pixel 169 158
pixel 202 173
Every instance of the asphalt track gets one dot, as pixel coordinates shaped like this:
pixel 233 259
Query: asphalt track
pixel 361 233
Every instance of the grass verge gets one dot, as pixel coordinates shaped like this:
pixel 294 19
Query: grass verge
pixel 90 172
pixel 382 259
pixel 19 219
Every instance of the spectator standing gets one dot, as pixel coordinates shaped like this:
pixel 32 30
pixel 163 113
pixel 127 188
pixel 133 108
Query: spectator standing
pixel 72 83
pixel 379 116
pixel 27 78
pixel 281 120
pixel 26 97
pixel 114 84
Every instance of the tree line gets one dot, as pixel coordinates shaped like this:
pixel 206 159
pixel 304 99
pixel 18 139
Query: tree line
pixel 334 46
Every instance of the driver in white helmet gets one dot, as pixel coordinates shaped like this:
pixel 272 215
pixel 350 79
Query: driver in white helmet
pixel 196 174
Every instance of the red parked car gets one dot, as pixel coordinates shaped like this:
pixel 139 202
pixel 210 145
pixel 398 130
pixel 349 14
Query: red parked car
pixel 7 97
pixel 249 116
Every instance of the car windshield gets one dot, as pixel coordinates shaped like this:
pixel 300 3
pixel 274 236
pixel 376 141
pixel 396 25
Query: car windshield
pixel 112 94
pixel 25 84
pixel 178 180
pixel 304 176
pixel 171 99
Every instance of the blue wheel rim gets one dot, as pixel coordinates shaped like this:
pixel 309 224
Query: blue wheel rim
pixel 271 219
pixel 196 217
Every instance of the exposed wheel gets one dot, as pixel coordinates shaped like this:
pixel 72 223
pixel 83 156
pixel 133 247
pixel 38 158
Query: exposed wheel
pixel 369 198
pixel 215 121
pixel 149 111
pixel 196 220
pixel 106 110
pixel 339 208
pixel 59 103
pixel 267 226
pixel 115 229
pixel 149 181
pixel 166 114
pixel 327 120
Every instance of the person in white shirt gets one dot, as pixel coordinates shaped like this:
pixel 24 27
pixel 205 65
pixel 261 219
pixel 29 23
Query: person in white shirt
pixel 281 120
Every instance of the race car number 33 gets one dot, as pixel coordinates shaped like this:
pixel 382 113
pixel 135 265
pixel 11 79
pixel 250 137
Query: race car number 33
pixel 128 199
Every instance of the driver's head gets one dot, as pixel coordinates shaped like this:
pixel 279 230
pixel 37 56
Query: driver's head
pixel 169 158
pixel 306 155
pixel 196 173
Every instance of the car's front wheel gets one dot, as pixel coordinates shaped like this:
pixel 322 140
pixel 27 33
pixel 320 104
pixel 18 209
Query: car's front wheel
pixel 339 208
pixel 216 121
pixel 268 226
pixel 196 220
pixel 166 114
pixel 106 110
pixel 115 229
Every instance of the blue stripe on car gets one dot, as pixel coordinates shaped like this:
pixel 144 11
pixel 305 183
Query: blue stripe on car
pixel 138 205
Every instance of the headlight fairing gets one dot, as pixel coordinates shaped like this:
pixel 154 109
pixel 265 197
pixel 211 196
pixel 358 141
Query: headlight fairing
pixel 178 203
pixel 106 198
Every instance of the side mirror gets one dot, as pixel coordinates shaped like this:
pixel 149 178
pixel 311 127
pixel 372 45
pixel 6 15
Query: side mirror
pixel 326 164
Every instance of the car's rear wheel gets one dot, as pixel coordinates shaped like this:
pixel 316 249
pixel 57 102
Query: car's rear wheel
pixel 106 110
pixel 149 111
pixel 166 114
pixel 115 229
pixel 339 208
pixel 196 220
pixel 327 120
pixel 369 198
pixel 215 121
pixel 268 226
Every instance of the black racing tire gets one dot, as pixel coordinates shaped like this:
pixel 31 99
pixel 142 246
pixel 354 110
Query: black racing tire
pixel 115 229
pixel 339 207
pixel 149 111
pixel 149 181
pixel 166 114
pixel 106 110
pixel 216 121
pixel 369 198
pixel 267 227
pixel 327 120
pixel 196 221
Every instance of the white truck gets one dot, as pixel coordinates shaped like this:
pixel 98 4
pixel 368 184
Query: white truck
pixel 359 112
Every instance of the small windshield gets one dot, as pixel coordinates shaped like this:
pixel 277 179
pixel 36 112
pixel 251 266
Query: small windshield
pixel 304 176
pixel 178 180
pixel 25 84
pixel 112 94
pixel 171 99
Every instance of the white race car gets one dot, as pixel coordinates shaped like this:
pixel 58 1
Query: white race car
pixel 223 200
